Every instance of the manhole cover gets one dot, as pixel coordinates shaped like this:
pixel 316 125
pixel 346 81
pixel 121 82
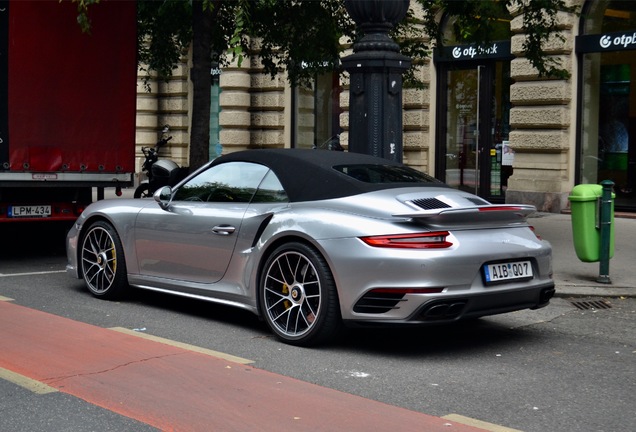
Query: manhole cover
pixel 591 304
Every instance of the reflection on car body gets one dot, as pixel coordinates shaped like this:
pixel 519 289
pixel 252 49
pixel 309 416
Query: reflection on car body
pixel 311 240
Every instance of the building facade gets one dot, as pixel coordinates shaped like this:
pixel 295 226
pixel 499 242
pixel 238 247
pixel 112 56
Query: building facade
pixel 485 121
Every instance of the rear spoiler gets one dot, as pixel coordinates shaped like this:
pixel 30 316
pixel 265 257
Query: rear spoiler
pixel 493 212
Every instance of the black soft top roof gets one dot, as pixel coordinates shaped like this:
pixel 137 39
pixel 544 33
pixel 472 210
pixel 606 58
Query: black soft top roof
pixel 308 175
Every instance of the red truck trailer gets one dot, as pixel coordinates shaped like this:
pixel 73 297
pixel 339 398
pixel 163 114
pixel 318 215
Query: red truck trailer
pixel 67 106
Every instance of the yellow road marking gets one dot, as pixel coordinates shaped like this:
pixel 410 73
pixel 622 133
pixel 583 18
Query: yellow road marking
pixel 26 382
pixel 189 347
pixel 3 298
pixel 478 423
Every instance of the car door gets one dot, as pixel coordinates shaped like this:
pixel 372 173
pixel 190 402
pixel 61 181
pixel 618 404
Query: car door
pixel 193 239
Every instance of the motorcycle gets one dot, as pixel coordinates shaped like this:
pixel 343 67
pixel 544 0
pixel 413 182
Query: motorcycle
pixel 332 143
pixel 160 173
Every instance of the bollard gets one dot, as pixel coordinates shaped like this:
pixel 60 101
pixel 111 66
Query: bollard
pixel 605 225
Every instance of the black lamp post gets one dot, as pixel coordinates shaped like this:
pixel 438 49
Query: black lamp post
pixel 375 68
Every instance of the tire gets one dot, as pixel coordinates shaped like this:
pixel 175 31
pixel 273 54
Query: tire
pixel 103 266
pixel 298 296
pixel 142 191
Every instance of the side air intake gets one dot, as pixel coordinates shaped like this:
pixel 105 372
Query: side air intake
pixel 378 302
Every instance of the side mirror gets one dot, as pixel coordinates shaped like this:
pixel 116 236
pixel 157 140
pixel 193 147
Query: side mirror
pixel 163 196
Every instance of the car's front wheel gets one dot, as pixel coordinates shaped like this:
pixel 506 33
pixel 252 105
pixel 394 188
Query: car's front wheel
pixel 102 261
pixel 142 191
pixel 298 296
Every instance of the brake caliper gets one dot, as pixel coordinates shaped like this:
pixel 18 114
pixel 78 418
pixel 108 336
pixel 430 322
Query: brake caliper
pixel 285 291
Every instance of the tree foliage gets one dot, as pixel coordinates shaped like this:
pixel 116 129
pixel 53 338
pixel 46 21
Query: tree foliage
pixel 476 21
pixel 305 37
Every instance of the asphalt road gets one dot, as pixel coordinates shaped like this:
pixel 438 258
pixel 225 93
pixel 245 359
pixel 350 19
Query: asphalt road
pixel 558 369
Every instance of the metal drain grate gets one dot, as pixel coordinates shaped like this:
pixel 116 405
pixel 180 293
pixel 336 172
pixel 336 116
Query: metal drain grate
pixel 591 304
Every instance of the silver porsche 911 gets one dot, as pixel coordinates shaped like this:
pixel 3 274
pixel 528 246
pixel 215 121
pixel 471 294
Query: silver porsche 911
pixel 310 240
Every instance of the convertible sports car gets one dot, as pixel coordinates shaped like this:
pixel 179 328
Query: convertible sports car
pixel 312 239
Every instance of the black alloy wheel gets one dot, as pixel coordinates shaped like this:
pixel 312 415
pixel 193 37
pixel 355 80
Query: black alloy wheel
pixel 298 296
pixel 102 261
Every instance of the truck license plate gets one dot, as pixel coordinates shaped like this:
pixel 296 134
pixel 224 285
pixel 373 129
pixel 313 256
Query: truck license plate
pixel 508 271
pixel 30 211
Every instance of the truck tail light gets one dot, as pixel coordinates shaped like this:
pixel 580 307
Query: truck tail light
pixel 79 208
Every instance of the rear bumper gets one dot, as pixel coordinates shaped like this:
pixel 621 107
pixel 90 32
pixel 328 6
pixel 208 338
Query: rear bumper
pixel 447 309
pixel 484 304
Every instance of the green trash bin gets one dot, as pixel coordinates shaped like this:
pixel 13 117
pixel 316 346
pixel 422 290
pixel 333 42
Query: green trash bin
pixel 585 205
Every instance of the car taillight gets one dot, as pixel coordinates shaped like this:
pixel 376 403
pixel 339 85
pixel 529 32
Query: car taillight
pixel 429 240
pixel 500 208
pixel 534 231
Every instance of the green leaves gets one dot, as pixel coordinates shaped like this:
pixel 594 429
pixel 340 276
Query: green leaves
pixel 82 13
pixel 479 21
pixel 540 20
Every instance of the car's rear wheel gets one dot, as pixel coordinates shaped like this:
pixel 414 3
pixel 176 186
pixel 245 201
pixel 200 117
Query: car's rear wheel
pixel 102 261
pixel 298 296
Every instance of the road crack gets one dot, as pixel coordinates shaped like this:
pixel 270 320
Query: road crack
pixel 55 380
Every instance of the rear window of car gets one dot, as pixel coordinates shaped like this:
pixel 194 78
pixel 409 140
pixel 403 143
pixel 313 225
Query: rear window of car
pixel 379 174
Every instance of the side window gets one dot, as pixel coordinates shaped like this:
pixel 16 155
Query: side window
pixel 270 190
pixel 228 182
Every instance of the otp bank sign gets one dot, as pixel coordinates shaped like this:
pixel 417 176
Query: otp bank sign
pixel 472 51
pixel 495 50
pixel 622 41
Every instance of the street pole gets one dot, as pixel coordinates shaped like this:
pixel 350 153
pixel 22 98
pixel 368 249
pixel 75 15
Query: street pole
pixel 605 225
pixel 375 69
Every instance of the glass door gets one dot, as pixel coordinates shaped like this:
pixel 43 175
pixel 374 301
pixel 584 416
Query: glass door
pixel 462 129
pixel 473 151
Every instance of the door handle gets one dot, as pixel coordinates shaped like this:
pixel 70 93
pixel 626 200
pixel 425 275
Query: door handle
pixel 223 230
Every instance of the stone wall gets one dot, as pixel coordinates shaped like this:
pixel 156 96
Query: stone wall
pixel 418 134
pixel 159 103
pixel 256 113
pixel 543 120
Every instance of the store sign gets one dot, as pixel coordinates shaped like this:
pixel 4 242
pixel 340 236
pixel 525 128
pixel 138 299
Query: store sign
pixel 622 41
pixel 494 50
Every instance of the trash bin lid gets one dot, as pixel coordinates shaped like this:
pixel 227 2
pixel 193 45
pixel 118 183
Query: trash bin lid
pixel 586 192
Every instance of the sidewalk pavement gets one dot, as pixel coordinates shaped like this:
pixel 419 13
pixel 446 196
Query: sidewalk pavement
pixel 575 278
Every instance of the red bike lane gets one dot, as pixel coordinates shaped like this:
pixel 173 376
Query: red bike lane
pixel 176 389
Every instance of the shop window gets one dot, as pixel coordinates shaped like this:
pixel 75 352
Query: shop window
pixel 316 113
pixel 215 147
pixel 607 104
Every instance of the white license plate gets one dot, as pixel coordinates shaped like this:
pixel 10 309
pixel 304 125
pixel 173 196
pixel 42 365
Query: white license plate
pixel 30 211
pixel 507 271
